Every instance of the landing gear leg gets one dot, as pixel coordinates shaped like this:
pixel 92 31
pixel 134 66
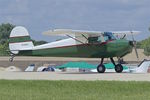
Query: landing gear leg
pixel 118 67
pixel 120 60
pixel 101 68
pixel 11 57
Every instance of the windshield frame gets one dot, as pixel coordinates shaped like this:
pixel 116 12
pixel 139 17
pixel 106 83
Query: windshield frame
pixel 110 36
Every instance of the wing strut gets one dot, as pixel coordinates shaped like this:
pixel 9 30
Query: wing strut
pixel 85 37
pixel 75 39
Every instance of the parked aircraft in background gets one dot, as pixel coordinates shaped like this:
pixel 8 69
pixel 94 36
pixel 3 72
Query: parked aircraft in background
pixel 90 44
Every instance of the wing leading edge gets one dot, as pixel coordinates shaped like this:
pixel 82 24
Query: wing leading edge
pixel 63 32
pixel 71 32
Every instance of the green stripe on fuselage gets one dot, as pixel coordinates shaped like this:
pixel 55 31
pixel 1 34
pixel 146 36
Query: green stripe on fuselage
pixel 19 39
pixel 115 48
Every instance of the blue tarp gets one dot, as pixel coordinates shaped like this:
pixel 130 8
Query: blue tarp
pixel 86 65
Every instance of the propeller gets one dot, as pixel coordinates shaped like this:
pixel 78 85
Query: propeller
pixel 134 45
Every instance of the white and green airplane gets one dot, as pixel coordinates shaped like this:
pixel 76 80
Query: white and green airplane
pixel 80 43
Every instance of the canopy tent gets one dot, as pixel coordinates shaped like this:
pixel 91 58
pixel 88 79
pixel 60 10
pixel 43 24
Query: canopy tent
pixel 85 65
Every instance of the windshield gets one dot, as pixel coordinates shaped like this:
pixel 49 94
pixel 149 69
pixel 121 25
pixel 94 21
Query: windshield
pixel 106 37
pixel 109 36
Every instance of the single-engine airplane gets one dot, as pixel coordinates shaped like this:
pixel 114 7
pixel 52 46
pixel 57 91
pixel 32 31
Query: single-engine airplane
pixel 90 44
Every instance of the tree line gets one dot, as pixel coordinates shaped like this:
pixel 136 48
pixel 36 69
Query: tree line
pixel 144 44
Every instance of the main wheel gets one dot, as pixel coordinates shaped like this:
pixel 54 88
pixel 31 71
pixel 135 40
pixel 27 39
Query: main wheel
pixel 101 68
pixel 118 68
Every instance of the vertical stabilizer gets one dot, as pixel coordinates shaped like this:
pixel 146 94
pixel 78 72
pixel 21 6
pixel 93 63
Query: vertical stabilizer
pixel 143 67
pixel 19 40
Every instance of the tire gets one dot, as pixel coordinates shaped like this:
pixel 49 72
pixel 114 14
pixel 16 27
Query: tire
pixel 11 59
pixel 101 68
pixel 118 68
pixel 44 70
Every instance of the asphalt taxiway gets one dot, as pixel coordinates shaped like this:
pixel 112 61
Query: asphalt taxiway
pixel 89 76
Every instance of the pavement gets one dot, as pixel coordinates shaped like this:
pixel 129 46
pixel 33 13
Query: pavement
pixel 88 76
pixel 23 62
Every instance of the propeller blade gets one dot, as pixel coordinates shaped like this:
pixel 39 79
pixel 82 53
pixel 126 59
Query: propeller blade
pixel 134 45
pixel 136 51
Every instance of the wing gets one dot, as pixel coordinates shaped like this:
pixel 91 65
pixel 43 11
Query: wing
pixel 63 32
pixel 78 35
pixel 125 32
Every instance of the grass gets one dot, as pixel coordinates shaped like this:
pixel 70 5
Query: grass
pixel 73 90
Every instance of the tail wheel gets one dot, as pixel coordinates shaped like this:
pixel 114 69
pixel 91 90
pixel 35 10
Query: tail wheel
pixel 11 59
pixel 118 68
pixel 101 68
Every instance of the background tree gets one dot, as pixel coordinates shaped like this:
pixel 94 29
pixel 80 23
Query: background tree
pixel 5 30
pixel 147 50
pixel 145 44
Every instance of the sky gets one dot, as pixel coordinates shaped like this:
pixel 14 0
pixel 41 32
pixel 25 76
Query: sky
pixel 93 15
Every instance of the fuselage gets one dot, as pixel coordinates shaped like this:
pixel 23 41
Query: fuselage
pixel 71 48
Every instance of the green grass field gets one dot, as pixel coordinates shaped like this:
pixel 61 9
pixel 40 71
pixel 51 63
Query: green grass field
pixel 73 90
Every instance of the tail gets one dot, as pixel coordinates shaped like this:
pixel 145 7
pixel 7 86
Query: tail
pixel 143 67
pixel 30 68
pixel 19 40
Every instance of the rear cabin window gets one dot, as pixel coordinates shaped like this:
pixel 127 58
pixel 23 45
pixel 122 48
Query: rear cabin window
pixel 94 39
